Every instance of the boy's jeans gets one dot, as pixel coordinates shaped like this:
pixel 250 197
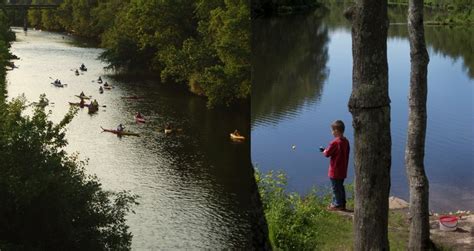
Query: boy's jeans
pixel 339 193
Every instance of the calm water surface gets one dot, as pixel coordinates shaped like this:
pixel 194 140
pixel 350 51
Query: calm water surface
pixel 303 80
pixel 193 186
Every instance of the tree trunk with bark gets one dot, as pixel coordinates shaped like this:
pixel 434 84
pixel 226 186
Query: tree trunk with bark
pixel 370 107
pixel 415 149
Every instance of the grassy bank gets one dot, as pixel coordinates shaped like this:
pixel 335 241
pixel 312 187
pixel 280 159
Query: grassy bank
pixel 298 222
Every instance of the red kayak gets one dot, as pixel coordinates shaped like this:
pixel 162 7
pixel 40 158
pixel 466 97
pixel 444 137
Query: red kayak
pixel 139 120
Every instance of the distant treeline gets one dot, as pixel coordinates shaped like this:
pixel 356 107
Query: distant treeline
pixel 447 11
pixel 281 7
pixel 202 43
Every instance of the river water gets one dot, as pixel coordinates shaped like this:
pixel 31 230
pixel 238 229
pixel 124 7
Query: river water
pixel 194 186
pixel 302 70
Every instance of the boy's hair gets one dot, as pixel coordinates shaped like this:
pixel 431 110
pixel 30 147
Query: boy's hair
pixel 338 125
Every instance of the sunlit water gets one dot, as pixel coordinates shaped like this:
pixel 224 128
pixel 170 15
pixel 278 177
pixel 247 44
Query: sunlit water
pixel 302 83
pixel 194 186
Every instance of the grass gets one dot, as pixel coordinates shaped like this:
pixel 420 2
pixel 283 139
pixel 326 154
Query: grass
pixel 303 223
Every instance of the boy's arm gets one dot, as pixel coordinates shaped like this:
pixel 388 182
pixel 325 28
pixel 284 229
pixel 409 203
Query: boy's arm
pixel 330 150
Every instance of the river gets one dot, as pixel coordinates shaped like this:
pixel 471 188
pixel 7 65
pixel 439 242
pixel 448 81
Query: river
pixel 194 186
pixel 302 82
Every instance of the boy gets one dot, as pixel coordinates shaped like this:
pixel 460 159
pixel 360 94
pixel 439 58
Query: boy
pixel 338 150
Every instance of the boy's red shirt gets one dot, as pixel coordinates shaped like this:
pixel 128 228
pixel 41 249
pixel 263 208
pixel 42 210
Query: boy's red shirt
pixel 338 150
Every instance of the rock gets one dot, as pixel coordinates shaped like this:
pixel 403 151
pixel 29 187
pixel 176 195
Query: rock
pixel 396 203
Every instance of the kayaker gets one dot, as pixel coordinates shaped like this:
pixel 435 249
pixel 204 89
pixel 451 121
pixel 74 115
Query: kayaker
pixel 120 128
pixel 101 89
pixel 83 66
pixel 100 79
pixel 82 94
pixel 236 132
pixel 95 103
pixel 77 72
pixel 106 84
pixel 139 115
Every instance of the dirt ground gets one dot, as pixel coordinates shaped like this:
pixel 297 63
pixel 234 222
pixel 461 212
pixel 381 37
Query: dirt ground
pixel 461 239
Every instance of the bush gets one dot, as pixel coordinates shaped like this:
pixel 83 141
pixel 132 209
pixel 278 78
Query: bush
pixel 300 223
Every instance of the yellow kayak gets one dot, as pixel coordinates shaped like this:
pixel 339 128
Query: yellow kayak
pixel 237 137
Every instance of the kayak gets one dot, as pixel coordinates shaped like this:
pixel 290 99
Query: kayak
pixel 167 131
pixel 83 97
pixel 101 91
pixel 122 133
pixel 99 81
pixel 57 85
pixel 139 120
pixel 237 137
pixel 77 104
pixel 77 73
pixel 83 69
pixel 108 87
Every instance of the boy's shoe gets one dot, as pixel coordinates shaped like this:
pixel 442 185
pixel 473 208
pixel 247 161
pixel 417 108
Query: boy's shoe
pixel 331 207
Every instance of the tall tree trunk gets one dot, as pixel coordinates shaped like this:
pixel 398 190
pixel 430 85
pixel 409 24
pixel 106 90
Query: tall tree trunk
pixel 415 148
pixel 370 107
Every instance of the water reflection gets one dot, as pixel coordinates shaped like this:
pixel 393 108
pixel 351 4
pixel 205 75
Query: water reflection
pixel 289 65
pixel 450 41
pixel 303 83
pixel 195 186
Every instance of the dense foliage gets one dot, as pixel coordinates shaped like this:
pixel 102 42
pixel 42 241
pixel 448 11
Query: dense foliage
pixel 204 43
pixel 300 223
pixel 47 202
pixel 303 223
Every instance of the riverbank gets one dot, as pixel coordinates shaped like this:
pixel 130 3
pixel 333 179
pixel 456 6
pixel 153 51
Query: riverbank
pixel 304 223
